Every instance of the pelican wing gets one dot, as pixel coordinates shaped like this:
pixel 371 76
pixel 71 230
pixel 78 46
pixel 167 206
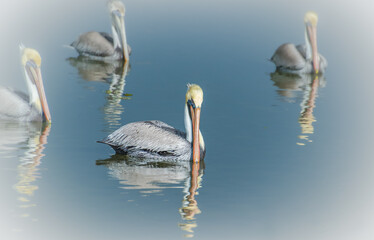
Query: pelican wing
pixel 302 50
pixel 13 104
pixel 154 137
pixel 322 60
pixel 94 43
pixel 288 56
pixel 110 39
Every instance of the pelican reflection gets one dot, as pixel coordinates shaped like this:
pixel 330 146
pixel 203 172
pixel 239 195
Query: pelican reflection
pixel 289 87
pixel 153 176
pixel 27 140
pixel 189 204
pixel 145 175
pixel 113 73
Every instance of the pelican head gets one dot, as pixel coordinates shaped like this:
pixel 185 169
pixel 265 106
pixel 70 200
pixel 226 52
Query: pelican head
pixel 31 62
pixel 194 100
pixel 310 20
pixel 117 13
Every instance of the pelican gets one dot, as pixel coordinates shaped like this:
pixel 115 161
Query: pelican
pixel 17 106
pixel 102 46
pixel 301 58
pixel 158 140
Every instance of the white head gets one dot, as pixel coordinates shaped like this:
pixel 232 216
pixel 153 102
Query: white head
pixel 117 13
pixel 310 20
pixel 31 62
pixel 194 100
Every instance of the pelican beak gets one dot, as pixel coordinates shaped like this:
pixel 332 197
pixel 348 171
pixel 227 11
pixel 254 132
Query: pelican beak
pixel 35 76
pixel 312 32
pixel 120 26
pixel 196 133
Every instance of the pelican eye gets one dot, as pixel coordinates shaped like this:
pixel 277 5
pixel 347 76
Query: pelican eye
pixel 117 13
pixel 31 63
pixel 308 24
pixel 191 103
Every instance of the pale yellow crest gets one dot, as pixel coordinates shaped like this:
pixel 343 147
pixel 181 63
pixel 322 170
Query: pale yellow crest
pixel 115 5
pixel 31 54
pixel 195 93
pixel 311 17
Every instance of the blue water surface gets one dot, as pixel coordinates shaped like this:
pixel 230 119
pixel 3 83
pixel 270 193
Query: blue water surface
pixel 287 157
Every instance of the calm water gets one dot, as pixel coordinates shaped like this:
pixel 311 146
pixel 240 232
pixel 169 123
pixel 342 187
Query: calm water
pixel 287 158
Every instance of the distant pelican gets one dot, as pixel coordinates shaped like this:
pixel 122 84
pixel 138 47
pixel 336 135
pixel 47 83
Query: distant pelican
pixel 156 139
pixel 301 58
pixel 102 46
pixel 17 106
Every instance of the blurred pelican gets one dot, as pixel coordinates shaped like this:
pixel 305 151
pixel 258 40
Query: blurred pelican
pixel 102 46
pixel 18 106
pixel 289 84
pixel 301 58
pixel 156 139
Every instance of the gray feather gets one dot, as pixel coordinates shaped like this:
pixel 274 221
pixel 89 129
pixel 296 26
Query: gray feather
pixel 97 45
pixel 292 59
pixel 288 56
pixel 150 139
pixel 14 105
pixel 94 43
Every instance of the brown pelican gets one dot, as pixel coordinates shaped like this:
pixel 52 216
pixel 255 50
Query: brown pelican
pixel 301 58
pixel 102 46
pixel 156 139
pixel 18 106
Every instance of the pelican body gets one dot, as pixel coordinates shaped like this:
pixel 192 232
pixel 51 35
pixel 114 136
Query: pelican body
pixel 301 58
pixel 17 106
pixel 158 140
pixel 102 46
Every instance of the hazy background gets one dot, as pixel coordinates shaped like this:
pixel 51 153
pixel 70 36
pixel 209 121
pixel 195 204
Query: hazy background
pixel 258 182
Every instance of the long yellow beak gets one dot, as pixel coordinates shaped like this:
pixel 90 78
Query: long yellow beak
pixel 312 30
pixel 43 99
pixel 195 133
pixel 119 22
pixel 125 49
